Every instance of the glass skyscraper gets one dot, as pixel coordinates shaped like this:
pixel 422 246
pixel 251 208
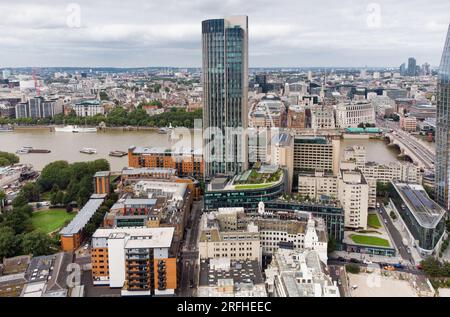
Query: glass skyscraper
pixel 225 91
pixel 412 67
pixel 442 129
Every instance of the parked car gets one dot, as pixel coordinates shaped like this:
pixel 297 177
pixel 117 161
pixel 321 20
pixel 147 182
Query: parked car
pixel 389 268
pixel 339 282
pixel 341 259
pixel 398 266
pixel 367 262
pixel 353 260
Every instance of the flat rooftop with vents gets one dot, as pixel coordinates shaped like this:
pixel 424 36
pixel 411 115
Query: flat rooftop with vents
pixel 427 212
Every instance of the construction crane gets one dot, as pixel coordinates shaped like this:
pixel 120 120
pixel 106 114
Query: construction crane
pixel 36 84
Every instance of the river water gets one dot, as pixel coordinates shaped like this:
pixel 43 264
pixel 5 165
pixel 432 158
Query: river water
pixel 66 146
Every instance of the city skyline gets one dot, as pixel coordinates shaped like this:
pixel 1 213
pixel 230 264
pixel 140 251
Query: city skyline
pixel 297 34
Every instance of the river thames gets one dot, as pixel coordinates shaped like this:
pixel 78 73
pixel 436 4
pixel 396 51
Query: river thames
pixel 67 146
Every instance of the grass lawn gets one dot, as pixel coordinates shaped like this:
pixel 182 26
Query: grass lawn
pixel 51 219
pixel 373 221
pixel 253 186
pixel 368 240
pixel 45 196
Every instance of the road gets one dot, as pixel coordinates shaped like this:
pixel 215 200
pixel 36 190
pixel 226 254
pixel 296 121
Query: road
pixel 395 235
pixel 189 254
pixel 337 274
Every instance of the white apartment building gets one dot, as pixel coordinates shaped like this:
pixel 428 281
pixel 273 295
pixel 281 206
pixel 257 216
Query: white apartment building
pixel 401 171
pixel 350 115
pixel 318 184
pixel 351 188
pixel 299 274
pixel 353 193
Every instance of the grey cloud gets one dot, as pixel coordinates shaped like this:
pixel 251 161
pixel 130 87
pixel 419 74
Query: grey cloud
pixel 163 33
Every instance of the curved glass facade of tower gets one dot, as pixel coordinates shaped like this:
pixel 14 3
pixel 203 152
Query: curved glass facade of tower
pixel 225 90
pixel 442 129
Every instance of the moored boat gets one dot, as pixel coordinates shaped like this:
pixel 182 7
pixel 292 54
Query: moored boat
pixel 88 150
pixel 117 153
pixel 29 149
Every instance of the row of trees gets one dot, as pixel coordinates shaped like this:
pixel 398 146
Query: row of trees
pixel 434 268
pixel 118 117
pixel 8 159
pixel 66 182
pixel 70 182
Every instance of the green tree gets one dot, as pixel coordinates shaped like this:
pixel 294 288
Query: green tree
pixel 20 200
pixel 55 173
pixel 37 243
pixel 18 220
pixel 434 268
pixel 3 162
pixel 89 229
pixel 9 244
pixel 332 245
pixel 352 268
pixel 8 159
pixel 104 95
pixel 26 209
pixel 31 192
pixel 2 199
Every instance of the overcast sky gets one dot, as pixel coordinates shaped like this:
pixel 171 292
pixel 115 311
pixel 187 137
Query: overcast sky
pixel 138 33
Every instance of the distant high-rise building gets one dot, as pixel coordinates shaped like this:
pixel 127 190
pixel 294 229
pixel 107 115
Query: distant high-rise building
pixel 426 70
pixel 6 73
pixel 225 89
pixel 38 107
pixel 403 69
pixel 412 66
pixel 442 128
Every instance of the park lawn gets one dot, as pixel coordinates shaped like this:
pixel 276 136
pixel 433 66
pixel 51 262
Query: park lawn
pixel 373 221
pixel 253 186
pixel 368 240
pixel 50 220
pixel 46 196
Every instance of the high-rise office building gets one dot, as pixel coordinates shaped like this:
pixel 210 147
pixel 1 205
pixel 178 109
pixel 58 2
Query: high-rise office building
pixel 402 69
pixel 442 128
pixel 412 66
pixel 225 89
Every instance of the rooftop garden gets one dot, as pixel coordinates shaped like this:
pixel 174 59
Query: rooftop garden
pixel 297 198
pixel 369 240
pixel 257 178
